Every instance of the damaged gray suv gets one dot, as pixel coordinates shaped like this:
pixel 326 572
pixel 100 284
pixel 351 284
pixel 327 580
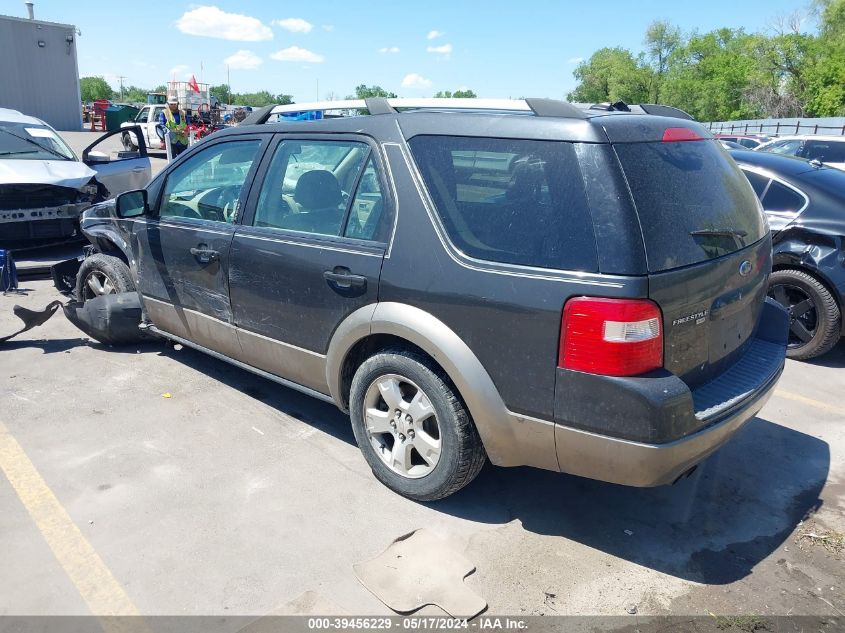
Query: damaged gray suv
pixel 576 289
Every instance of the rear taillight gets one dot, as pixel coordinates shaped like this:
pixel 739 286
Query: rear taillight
pixel 612 337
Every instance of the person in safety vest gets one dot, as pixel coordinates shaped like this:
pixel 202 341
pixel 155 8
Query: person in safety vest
pixel 175 120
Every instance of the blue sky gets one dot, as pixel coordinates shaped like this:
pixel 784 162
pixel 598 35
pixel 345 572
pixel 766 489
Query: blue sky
pixel 497 48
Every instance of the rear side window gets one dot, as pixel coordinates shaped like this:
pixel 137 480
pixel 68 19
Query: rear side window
pixel 693 201
pixel 781 198
pixel 510 201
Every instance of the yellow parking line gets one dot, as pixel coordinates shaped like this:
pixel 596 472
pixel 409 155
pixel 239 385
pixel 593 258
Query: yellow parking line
pixel 81 563
pixel 809 401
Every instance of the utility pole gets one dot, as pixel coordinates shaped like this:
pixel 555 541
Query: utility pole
pixel 120 79
pixel 229 86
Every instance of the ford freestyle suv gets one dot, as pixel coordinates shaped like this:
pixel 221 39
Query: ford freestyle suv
pixel 579 290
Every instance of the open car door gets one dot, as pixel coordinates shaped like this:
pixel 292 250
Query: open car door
pixel 117 169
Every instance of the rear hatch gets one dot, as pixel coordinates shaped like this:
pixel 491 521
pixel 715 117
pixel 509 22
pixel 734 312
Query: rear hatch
pixel 707 244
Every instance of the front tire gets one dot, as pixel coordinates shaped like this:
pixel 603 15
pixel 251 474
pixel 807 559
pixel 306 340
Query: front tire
pixel 102 274
pixel 814 316
pixel 128 145
pixel 412 428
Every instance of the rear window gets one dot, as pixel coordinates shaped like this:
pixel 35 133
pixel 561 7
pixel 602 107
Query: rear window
pixel 510 201
pixel 825 151
pixel 693 201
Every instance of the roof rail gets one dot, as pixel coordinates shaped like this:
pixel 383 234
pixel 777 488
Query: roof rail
pixel 643 108
pixel 539 107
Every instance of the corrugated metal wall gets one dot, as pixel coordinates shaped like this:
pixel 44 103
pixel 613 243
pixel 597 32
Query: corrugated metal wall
pixel 40 80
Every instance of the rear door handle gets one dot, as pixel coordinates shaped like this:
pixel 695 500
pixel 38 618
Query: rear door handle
pixel 205 255
pixel 343 279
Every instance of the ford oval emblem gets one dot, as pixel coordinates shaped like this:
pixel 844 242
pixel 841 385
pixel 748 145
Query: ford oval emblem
pixel 745 268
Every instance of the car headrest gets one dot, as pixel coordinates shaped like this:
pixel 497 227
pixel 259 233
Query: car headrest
pixel 317 189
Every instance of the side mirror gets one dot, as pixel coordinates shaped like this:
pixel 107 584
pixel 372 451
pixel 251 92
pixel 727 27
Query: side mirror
pixel 97 158
pixel 131 204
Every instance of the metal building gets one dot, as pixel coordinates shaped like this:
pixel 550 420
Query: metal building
pixel 39 75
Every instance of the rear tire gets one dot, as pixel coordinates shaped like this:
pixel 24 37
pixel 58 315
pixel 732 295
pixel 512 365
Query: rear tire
pixel 102 274
pixel 814 315
pixel 412 427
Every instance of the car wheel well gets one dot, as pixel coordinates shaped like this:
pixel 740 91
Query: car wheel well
pixel 371 345
pixel 107 247
pixel 815 275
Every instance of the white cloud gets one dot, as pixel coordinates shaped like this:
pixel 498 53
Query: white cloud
pixel 445 49
pixel 433 35
pixel 243 60
pixel 389 49
pixel 413 80
pixel 294 25
pixel 180 71
pixel 209 21
pixel 575 60
pixel 328 27
pixel 296 54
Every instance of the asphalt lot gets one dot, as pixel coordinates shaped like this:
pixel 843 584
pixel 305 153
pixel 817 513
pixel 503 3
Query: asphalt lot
pixel 158 480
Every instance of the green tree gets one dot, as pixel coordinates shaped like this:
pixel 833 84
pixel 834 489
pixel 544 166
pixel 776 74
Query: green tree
pixel 661 40
pixel 133 94
pixel 283 99
pixel 222 92
pixel 93 88
pixel 612 74
pixel 458 94
pixel 364 91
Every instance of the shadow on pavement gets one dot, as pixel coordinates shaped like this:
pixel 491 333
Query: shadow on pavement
pixel 835 358
pixel 713 528
pixel 321 415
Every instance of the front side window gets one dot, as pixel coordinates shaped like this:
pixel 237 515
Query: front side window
pixel 208 185
pixel 143 116
pixel 510 201
pixel 308 186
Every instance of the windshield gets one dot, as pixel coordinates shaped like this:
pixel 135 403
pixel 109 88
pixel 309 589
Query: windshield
pixel 32 142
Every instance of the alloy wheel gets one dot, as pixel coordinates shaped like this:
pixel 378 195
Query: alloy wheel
pixel 803 319
pixel 402 426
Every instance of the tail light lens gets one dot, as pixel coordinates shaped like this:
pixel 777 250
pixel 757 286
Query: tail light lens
pixel 612 337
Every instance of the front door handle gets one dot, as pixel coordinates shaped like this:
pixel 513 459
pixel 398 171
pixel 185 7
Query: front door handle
pixel 342 279
pixel 204 255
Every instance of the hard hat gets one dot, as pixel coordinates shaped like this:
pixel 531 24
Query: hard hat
pixel 173 100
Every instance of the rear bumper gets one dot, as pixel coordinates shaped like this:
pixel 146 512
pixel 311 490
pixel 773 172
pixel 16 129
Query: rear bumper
pixel 650 430
pixel 642 464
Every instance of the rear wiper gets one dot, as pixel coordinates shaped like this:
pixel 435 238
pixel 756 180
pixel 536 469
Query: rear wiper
pixel 29 140
pixel 720 232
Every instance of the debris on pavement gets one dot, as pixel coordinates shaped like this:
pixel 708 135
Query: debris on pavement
pixel 419 569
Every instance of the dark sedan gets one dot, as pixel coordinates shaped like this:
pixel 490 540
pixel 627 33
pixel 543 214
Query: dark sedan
pixel 805 203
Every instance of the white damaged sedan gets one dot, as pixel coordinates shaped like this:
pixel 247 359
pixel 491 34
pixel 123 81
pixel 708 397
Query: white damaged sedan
pixel 44 187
